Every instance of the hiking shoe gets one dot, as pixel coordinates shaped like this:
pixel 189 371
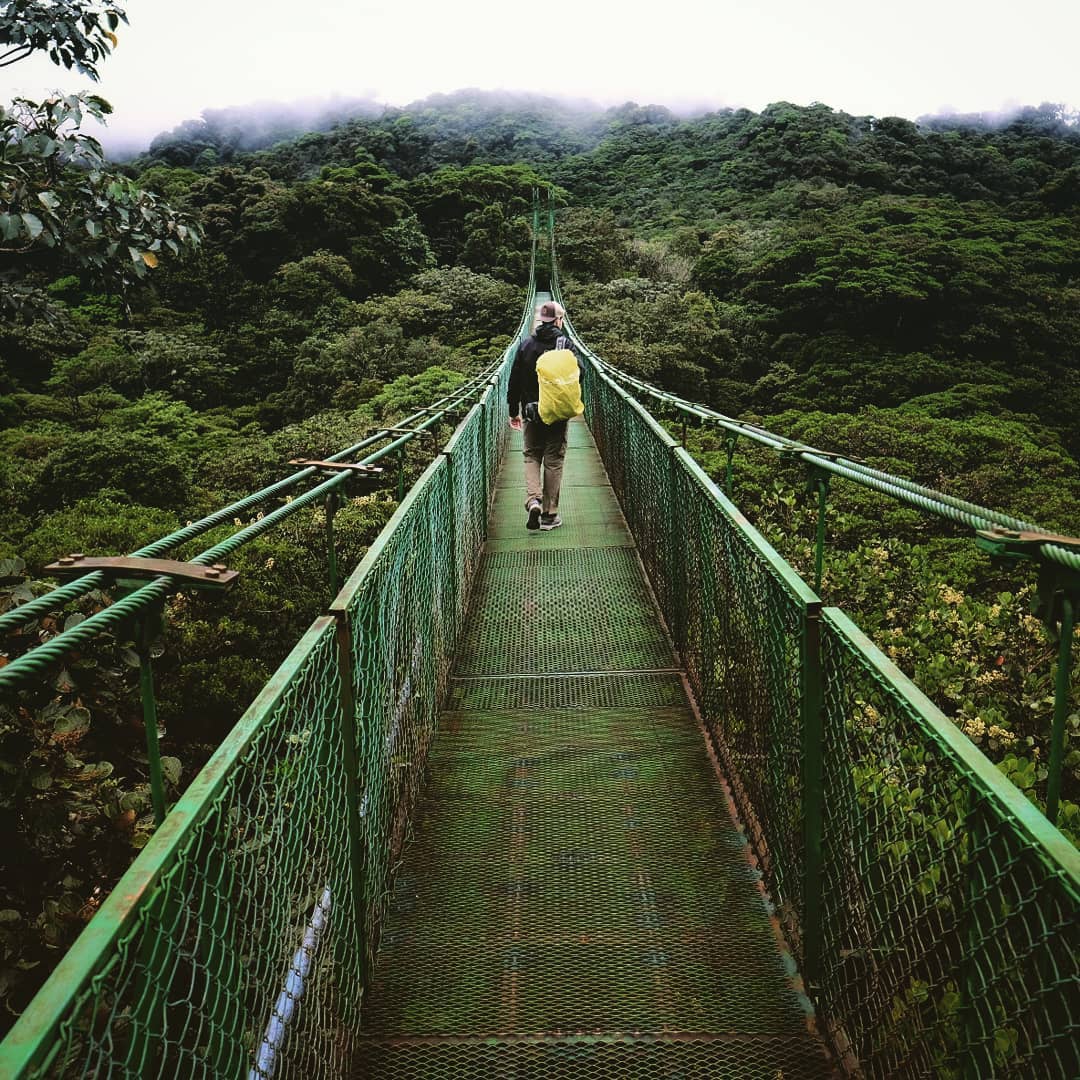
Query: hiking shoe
pixel 549 522
pixel 534 514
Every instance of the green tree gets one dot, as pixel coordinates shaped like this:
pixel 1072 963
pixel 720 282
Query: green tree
pixel 75 33
pixel 58 204
pixel 456 204
pixel 590 244
pixel 307 284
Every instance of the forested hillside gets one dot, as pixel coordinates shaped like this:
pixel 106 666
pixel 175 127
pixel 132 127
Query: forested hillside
pixel 905 293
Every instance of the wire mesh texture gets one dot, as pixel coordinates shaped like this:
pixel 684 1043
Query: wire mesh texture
pixel 237 943
pixel 555 885
pixel 932 909
pixel 191 983
pixel 403 607
pixel 952 936
pixel 737 620
pixel 577 900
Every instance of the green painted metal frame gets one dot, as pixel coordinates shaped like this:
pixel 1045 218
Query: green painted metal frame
pixel 997 997
pixel 1058 557
pixel 973 864
pixel 662 544
pixel 1006 1025
pixel 31 1045
pixel 36 1043
pixel 810 917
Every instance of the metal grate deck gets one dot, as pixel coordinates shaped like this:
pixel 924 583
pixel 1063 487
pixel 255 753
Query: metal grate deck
pixel 562 611
pixel 577 901
pixel 595 692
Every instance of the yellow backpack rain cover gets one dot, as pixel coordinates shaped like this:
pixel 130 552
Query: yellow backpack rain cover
pixel 560 386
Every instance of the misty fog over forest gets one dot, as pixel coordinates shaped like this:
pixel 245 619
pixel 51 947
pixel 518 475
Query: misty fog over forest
pixel 260 124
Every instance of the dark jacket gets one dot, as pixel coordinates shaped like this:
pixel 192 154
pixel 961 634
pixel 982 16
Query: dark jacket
pixel 524 386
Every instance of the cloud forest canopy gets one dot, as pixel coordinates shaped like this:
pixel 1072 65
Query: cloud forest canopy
pixel 909 293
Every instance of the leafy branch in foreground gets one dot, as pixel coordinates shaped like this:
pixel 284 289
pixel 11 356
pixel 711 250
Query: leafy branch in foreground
pixel 55 194
pixel 75 33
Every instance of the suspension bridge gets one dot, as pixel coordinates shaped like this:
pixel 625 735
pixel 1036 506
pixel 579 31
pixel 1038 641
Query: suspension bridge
pixel 624 799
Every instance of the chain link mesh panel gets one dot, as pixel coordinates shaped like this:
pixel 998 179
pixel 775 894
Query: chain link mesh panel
pixel 248 922
pixel 740 631
pixel 737 622
pixel 468 464
pixel 401 617
pixel 952 942
pixel 240 949
pixel 574 866
pixel 404 609
pixel 948 943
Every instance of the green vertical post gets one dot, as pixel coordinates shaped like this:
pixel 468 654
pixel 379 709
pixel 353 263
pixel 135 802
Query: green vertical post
pixel 485 480
pixel 813 793
pixel 144 632
pixel 401 474
pixel 551 241
pixel 677 547
pixel 456 569
pixel 975 1057
pixel 821 485
pixel 353 823
pixel 729 472
pixel 1061 707
pixel 331 549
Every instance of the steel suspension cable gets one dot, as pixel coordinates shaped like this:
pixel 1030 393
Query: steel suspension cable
pixel 923 498
pixel 143 598
pixel 927 499
pixel 73 590
pixel 39 658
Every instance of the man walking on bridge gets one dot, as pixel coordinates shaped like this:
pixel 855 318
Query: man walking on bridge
pixel 545 444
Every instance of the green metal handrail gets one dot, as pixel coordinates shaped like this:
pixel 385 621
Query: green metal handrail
pixel 141 607
pixel 998 533
pixel 932 910
pixel 948 507
pixel 290 832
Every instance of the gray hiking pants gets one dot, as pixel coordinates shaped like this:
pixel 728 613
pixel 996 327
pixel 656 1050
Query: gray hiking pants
pixel 545 445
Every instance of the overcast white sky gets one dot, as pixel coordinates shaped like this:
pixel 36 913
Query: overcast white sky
pixel 909 58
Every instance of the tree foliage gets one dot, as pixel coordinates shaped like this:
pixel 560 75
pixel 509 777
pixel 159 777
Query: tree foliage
pixel 75 33
pixel 903 292
pixel 59 206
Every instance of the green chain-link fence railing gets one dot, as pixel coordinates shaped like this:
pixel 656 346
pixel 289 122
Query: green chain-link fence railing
pixel 738 616
pixel 238 942
pixel 951 917
pixel 180 972
pixel 931 908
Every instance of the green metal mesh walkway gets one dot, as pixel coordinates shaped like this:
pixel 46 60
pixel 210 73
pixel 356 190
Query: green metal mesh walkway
pixel 577 901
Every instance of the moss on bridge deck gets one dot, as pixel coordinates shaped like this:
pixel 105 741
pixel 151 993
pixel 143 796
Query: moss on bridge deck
pixel 577 901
